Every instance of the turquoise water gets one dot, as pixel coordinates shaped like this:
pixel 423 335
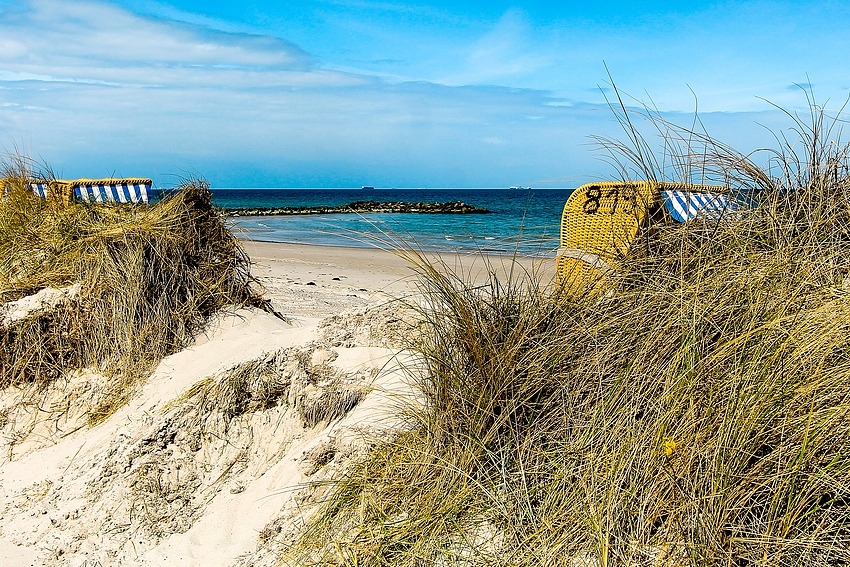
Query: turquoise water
pixel 524 220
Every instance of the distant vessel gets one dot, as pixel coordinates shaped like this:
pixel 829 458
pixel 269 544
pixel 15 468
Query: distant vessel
pixel 367 187
pixel 519 188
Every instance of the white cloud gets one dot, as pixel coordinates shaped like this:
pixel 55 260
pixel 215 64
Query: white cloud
pixel 94 89
pixel 88 40
pixel 506 53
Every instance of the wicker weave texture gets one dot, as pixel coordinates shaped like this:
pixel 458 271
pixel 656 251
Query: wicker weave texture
pixel 599 224
pixel 106 181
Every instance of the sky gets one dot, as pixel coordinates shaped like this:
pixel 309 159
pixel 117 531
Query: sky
pixel 343 93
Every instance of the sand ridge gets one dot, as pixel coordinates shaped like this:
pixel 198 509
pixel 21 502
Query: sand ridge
pixel 217 459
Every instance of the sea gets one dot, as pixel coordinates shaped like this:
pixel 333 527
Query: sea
pixel 521 221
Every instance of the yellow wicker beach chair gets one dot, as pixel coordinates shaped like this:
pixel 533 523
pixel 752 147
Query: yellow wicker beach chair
pixel 38 187
pixel 601 221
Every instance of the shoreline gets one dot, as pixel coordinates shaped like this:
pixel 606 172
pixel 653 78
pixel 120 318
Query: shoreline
pixel 356 207
pixel 247 235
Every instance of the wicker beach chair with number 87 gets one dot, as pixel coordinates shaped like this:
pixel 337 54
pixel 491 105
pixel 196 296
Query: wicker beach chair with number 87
pixel 601 221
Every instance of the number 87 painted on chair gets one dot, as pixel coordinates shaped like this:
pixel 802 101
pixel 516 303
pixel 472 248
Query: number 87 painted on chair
pixel 601 221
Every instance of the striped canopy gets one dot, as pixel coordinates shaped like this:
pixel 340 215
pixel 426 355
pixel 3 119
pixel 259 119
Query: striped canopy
pixel 687 205
pixel 114 192
pixel 40 189
pixel 125 190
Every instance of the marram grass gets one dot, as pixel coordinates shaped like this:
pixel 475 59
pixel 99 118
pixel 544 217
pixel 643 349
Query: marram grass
pixel 149 277
pixel 698 414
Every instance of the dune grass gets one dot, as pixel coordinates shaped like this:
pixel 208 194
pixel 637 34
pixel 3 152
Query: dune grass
pixel 698 414
pixel 149 277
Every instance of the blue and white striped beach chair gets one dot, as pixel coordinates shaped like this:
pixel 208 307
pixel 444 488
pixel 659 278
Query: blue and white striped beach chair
pixel 112 190
pixel 40 189
pixel 128 190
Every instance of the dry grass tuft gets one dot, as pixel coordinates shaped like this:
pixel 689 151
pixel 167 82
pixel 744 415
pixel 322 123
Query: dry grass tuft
pixel 697 415
pixel 149 277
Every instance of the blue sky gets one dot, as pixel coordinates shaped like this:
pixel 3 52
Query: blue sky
pixel 344 93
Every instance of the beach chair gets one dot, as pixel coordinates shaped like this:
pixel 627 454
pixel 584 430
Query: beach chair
pixel 40 188
pixel 127 190
pixel 131 190
pixel 601 221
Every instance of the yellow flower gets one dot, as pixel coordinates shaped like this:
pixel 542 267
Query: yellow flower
pixel 669 446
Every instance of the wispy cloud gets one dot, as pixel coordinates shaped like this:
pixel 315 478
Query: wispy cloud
pixel 506 51
pixel 97 89
pixel 87 40
pixel 797 87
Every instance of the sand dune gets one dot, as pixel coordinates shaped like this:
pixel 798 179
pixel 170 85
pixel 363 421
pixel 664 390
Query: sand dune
pixel 216 460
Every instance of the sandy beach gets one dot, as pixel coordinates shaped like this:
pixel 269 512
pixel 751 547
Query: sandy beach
pixel 317 281
pixel 172 479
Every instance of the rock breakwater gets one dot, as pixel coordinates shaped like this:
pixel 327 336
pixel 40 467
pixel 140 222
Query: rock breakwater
pixel 448 208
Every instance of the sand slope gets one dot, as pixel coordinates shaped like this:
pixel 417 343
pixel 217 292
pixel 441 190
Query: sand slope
pixel 219 457
pixel 173 479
